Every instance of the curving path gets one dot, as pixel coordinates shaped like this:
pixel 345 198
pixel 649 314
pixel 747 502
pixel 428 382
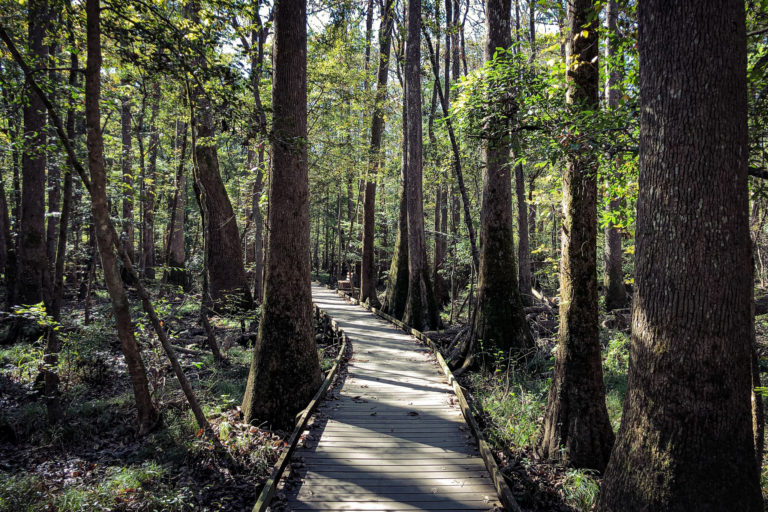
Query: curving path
pixel 393 437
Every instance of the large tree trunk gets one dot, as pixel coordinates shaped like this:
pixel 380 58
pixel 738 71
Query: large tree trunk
pixel 396 294
pixel 397 283
pixel 613 280
pixel 227 280
pixel 285 371
pixel 148 260
pixel 148 417
pixel 576 427
pixel 368 275
pixel 33 278
pixel 420 309
pixel 686 439
pixel 499 320
pixel 223 254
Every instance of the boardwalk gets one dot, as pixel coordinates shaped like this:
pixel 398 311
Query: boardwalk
pixel 393 437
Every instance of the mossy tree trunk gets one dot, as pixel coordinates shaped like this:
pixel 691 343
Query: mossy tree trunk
pixel 499 320
pixel 686 437
pixel 285 372
pixel 397 283
pixel 420 308
pixel 576 428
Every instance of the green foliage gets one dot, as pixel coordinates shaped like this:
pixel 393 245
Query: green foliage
pixel 119 487
pixel 581 489
pixel 513 404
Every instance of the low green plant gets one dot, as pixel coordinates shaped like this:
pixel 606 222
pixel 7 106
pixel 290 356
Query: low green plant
pixel 581 489
pixel 513 405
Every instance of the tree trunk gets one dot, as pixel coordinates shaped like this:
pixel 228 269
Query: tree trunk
pixel 66 207
pixel 33 278
pixel 499 320
pixel 368 274
pixel 227 280
pixel 175 254
pixel 686 437
pixel 223 254
pixel 12 203
pixel 532 238
pixel 258 37
pixel 147 417
pixel 285 372
pixel 613 279
pixel 420 309
pixel 128 234
pixel 576 428
pixel 523 246
pixel 54 169
pixel 148 260
pixel 397 283
pixel 5 232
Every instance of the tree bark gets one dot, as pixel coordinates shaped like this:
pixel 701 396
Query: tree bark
pixel 576 428
pixel 258 37
pixel 397 283
pixel 128 234
pixel 285 372
pixel 420 309
pixel 5 231
pixel 368 275
pixel 686 436
pixel 148 260
pixel 33 278
pixel 175 253
pixel 613 279
pixel 223 254
pixel 500 319
pixel 54 185
pixel 523 246
pixel 227 280
pixel 66 206
pixel 147 415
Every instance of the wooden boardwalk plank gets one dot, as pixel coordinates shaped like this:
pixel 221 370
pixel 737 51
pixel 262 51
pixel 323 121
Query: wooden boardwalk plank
pixel 393 437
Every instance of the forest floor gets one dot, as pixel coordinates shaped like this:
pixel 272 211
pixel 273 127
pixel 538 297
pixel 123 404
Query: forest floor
pixel 95 459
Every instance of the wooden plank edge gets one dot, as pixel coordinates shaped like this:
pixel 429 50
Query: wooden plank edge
pixel 268 491
pixel 502 488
